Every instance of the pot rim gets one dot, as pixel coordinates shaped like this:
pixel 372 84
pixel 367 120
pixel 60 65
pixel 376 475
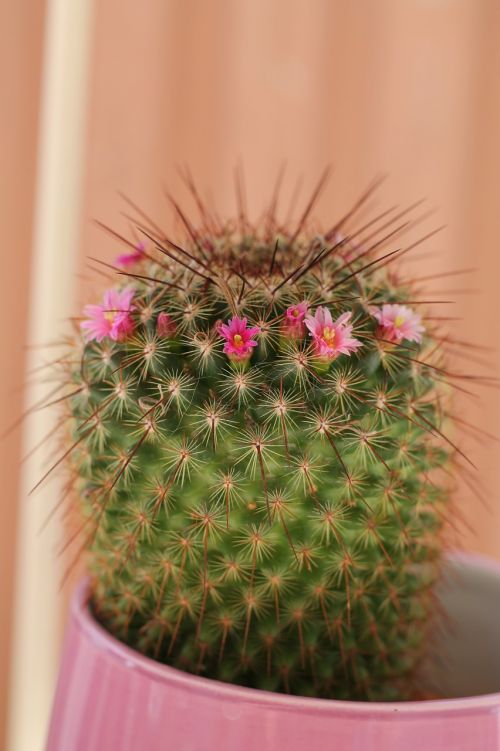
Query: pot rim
pixel 159 672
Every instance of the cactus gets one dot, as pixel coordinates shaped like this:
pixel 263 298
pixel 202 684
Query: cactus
pixel 259 452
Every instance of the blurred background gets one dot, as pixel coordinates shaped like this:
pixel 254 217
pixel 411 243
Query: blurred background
pixel 110 96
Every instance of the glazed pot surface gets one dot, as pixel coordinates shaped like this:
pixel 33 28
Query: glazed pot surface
pixel 111 698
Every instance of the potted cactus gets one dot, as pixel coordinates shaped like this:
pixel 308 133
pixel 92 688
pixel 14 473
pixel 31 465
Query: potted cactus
pixel 259 441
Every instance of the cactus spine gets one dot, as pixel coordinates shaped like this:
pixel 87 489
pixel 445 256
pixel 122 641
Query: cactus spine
pixel 257 440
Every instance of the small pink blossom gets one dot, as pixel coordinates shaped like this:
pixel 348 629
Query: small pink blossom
pixel 398 322
pixel 331 338
pixel 112 318
pixel 293 323
pixel 165 325
pixel 238 336
pixel 129 259
pixel 347 249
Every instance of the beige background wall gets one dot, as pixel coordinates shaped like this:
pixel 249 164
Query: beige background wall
pixel 21 26
pixel 409 88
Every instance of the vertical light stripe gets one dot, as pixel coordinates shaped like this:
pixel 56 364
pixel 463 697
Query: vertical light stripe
pixel 37 614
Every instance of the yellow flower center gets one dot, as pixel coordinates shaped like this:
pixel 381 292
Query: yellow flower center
pixel 109 316
pixel 398 321
pixel 328 335
pixel 295 313
pixel 237 340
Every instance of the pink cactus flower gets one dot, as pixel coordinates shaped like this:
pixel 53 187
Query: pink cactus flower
pixel 398 322
pixel 129 259
pixel 348 250
pixel 165 326
pixel 331 338
pixel 293 323
pixel 112 318
pixel 239 341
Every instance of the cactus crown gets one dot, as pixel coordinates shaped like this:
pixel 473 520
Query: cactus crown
pixel 256 421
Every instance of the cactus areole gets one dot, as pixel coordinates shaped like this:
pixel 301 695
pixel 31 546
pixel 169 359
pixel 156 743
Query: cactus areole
pixel 259 450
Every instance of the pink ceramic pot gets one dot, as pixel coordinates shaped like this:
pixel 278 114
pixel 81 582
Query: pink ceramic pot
pixel 110 698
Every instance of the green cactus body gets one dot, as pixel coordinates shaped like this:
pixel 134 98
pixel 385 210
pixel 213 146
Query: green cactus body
pixel 275 519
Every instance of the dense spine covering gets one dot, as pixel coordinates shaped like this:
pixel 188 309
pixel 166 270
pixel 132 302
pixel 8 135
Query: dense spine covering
pixel 257 435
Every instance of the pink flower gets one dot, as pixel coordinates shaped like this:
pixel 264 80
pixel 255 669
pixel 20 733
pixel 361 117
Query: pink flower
pixel 165 326
pixel 398 322
pixel 129 259
pixel 331 338
pixel 347 249
pixel 239 342
pixel 112 318
pixel 293 323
